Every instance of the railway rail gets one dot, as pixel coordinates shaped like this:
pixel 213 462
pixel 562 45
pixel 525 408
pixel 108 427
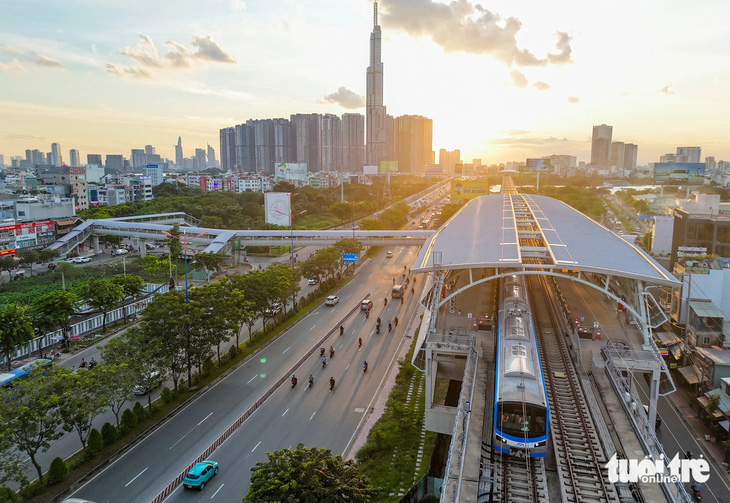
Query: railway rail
pixel 522 479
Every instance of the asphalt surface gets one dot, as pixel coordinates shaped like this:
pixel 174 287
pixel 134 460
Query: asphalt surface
pixel 315 417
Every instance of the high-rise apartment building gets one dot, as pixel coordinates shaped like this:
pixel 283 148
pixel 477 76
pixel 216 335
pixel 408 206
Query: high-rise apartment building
pixel 227 151
pixel 285 142
pixel 630 155
pixel 449 160
pixel 211 156
pixel 616 155
pixel 149 150
pixel 413 143
pixel 114 163
pixel 74 157
pixel 179 153
pixel 376 135
pixel 693 153
pixel 353 142
pixel 38 158
pixel 28 155
pixel 200 158
pixel 244 154
pixel 331 143
pixel 600 144
pixel 138 158
pixel 93 159
pixel 308 140
pixel 56 159
pixel 710 164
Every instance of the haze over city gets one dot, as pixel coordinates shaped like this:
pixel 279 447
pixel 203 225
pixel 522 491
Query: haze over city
pixel 522 80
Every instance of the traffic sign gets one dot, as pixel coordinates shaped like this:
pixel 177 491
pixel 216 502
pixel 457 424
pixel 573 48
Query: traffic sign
pixel 349 257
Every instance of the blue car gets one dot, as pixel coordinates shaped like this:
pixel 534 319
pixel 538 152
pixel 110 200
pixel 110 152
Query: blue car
pixel 200 474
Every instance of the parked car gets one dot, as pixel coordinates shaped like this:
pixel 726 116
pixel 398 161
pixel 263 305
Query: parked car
pixel 200 474
pixel 331 300
pixel 148 383
pixel 83 260
pixel 274 308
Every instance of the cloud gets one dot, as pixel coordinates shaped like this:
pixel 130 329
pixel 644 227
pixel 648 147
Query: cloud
pixel 345 98
pixel 541 85
pixel 518 79
pixel 238 5
pixel 178 56
pixel 667 89
pixel 11 49
pixel 127 71
pixel 13 66
pixel 528 142
pixel 42 60
pixel 515 132
pixel 462 26
pixel 573 99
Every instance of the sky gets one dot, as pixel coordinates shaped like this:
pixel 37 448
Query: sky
pixel 502 80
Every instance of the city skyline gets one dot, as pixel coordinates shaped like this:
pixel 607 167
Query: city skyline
pixel 522 80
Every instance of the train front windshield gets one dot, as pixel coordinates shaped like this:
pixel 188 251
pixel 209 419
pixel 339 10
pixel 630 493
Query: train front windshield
pixel 520 420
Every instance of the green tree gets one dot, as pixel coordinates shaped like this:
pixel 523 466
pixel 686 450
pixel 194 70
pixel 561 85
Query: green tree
pixel 131 287
pixel 53 310
pixel 343 211
pixel 13 466
pixel 31 414
pixel 83 400
pixel 7 263
pixel 29 257
pixel 209 262
pixel 102 294
pixel 307 475
pixel 173 244
pixel 64 268
pixel 16 328
pixel 48 254
pixel 243 309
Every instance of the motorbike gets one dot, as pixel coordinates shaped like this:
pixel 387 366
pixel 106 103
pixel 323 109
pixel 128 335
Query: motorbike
pixel 332 352
pixel 321 351
pixel 390 327
pixel 293 381
pixel 365 367
pixel 311 380
pixel 396 321
pixel 332 384
pixel 359 342
pixel 324 362
pixel 386 302
pixel 377 329
pixel 342 330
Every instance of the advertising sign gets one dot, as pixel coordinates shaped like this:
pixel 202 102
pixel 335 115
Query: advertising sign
pixel 349 257
pixel 391 166
pixel 679 172
pixel 468 189
pixel 369 170
pixel 539 165
pixel 290 171
pixel 276 206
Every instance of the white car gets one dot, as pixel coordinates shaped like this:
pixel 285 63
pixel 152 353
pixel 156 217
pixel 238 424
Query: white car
pixel 311 281
pixel 152 381
pixel 120 251
pixel 83 260
pixel 389 254
pixel 274 308
pixel 331 300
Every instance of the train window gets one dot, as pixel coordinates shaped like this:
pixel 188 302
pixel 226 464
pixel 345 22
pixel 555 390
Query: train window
pixel 518 419
pixel 519 350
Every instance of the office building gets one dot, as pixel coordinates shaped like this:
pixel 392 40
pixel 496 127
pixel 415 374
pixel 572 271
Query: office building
pixel 149 150
pixel 93 159
pixel 56 159
pixel 693 153
pixel 331 143
pixel 154 173
pixel 200 158
pixel 353 142
pixel 114 163
pixel 600 144
pixel 413 139
pixel 211 156
pixel 74 157
pixel 449 160
pixel 179 153
pixel 376 134
pixel 630 154
pixel 710 164
pixel 616 155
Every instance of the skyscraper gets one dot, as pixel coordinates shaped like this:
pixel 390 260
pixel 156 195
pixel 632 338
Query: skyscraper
pixel 211 156
pixel 56 157
pixel 616 154
pixel 601 144
pixel 376 136
pixel 179 153
pixel 331 143
pixel 693 153
pixel 200 156
pixel 413 140
pixel 630 153
pixel 138 158
pixel 308 140
pixel 93 159
pixel 227 151
pixel 74 157
pixel 353 142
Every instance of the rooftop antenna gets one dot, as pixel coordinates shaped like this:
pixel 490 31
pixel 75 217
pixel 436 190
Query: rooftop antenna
pixel 375 14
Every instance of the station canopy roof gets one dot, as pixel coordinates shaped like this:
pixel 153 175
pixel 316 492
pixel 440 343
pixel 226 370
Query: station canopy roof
pixel 486 232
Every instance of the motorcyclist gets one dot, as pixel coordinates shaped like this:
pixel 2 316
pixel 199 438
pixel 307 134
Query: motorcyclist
pixel 378 320
pixel 413 291
pixel 332 351
pixel 386 301
pixel 293 380
pixel 365 366
pixel 342 330
pixel 367 314
pixel 324 361
pixel 390 327
pixel 332 383
pixel 311 379
pixel 359 342
pixel 321 351
pixel 414 281
pixel 377 328
pixel 396 321
pixel 696 487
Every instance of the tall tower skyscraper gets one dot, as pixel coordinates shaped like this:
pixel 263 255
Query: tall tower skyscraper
pixel 600 144
pixel 75 158
pixel 178 153
pixel 376 135
pixel 56 157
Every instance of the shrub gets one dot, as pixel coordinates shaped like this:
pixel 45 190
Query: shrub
pixel 129 420
pixel 95 444
pixel 57 472
pixel 208 367
pixel 8 495
pixel 167 395
pixel 109 433
pixel 233 351
pixel 140 412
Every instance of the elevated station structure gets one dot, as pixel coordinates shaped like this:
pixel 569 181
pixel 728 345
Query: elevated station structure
pixel 505 234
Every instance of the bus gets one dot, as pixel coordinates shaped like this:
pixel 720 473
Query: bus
pixel 7 378
pixel 398 291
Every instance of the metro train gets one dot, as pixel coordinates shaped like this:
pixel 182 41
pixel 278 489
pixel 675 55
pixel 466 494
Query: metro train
pixel 521 411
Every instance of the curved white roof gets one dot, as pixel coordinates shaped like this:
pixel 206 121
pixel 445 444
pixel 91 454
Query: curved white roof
pixel 484 234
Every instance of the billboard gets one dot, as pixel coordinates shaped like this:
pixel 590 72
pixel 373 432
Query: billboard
pixel 31 235
pixel 369 170
pixel 389 166
pixel 468 189
pixel 538 165
pixel 679 172
pixel 276 206
pixel 290 171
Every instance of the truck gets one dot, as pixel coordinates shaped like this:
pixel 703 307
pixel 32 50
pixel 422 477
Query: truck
pixel 398 291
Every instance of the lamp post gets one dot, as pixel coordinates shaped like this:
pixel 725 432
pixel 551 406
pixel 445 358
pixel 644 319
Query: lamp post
pixel 185 240
pixel 291 235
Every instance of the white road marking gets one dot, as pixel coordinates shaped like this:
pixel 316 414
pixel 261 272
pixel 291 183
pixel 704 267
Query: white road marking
pixel 315 326
pixel 206 417
pixel 284 414
pixel 135 478
pixel 312 415
pixel 287 349
pixel 256 446
pixel 348 366
pixel 221 487
pixel 341 346
pixel 249 381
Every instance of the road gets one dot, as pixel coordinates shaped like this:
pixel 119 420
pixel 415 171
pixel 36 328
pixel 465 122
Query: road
pixel 311 416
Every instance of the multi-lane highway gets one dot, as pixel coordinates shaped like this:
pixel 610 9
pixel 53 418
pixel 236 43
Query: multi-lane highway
pixel 315 417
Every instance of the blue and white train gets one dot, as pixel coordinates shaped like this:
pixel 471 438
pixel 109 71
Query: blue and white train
pixel 521 411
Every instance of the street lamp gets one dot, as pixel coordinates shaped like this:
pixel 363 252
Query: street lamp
pixel 185 240
pixel 291 234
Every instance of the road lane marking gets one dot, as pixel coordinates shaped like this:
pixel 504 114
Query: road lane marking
pixel 249 381
pixel 135 478
pixel 348 366
pixel 206 417
pixel 284 414
pixel 315 326
pixel 287 349
pixel 221 487
pixel 256 446
pixel 312 415
pixel 341 346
